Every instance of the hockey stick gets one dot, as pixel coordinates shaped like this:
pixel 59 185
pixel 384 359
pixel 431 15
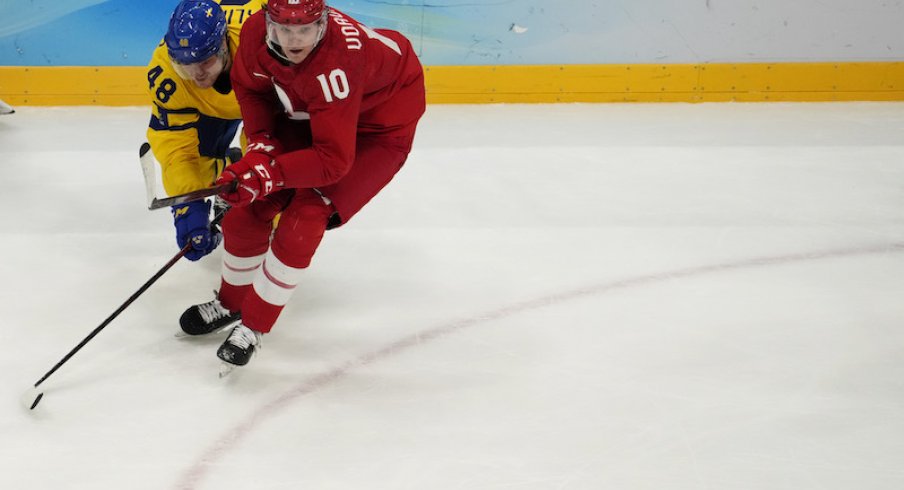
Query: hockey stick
pixel 31 398
pixel 6 108
pixel 148 166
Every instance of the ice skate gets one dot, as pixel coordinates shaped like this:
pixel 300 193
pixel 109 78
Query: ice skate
pixel 207 318
pixel 238 348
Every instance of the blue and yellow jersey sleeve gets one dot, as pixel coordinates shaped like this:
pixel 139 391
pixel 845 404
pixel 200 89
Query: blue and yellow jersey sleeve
pixel 188 123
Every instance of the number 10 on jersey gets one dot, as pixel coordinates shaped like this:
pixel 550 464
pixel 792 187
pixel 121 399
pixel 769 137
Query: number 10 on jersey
pixel 334 87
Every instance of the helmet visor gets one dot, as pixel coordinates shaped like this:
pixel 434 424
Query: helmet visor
pixel 295 41
pixel 205 72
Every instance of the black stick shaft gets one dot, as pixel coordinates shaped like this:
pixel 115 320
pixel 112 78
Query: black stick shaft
pixel 192 196
pixel 119 310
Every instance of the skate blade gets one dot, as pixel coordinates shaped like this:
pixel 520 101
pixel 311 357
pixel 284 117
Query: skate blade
pixel 182 335
pixel 226 369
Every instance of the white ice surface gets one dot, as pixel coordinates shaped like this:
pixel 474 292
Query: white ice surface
pixel 615 297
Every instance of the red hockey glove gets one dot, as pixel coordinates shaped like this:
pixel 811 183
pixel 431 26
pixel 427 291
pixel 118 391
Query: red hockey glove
pixel 256 175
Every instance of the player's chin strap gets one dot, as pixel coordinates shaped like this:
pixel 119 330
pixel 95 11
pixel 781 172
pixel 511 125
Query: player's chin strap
pixel 277 51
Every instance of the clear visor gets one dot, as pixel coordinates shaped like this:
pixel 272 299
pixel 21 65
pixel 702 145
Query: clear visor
pixel 205 70
pixel 295 37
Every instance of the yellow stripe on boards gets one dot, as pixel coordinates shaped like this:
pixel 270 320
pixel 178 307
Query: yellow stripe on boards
pixel 748 82
pixel 105 85
pixel 715 82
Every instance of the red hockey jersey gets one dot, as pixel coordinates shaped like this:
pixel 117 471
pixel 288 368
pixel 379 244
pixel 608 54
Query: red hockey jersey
pixel 357 81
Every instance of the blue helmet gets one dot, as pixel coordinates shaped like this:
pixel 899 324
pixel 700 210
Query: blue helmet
pixel 196 31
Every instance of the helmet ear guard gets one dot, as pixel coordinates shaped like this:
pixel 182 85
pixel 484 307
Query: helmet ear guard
pixel 196 31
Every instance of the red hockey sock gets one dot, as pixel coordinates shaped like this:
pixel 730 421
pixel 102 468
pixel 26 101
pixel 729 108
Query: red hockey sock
pixel 257 314
pixel 231 296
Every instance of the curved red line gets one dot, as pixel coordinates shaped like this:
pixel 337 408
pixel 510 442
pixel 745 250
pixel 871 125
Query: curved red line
pixel 194 475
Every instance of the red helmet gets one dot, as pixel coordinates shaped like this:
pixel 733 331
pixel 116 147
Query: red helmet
pixel 295 11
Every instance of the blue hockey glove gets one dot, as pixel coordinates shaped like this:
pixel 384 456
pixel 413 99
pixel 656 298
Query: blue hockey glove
pixel 192 222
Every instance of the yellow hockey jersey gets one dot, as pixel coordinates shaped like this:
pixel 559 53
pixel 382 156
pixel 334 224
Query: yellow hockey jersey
pixel 188 123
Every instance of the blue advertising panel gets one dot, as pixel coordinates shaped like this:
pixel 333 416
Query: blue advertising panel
pixel 500 32
pixel 444 32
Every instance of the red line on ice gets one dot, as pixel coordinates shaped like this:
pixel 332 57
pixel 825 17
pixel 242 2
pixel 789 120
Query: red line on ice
pixel 195 474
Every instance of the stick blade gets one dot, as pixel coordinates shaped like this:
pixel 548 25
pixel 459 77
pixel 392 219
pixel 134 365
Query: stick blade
pixel 148 169
pixel 31 398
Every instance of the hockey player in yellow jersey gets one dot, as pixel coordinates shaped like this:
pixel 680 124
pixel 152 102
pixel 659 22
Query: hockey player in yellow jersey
pixel 194 113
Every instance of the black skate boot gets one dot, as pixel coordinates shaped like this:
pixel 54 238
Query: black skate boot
pixel 207 318
pixel 240 345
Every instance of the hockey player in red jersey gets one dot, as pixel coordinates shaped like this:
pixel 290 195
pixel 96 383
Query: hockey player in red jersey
pixel 330 108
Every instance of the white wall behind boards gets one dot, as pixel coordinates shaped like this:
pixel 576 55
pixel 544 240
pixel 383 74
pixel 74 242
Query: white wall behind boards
pixel 695 31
